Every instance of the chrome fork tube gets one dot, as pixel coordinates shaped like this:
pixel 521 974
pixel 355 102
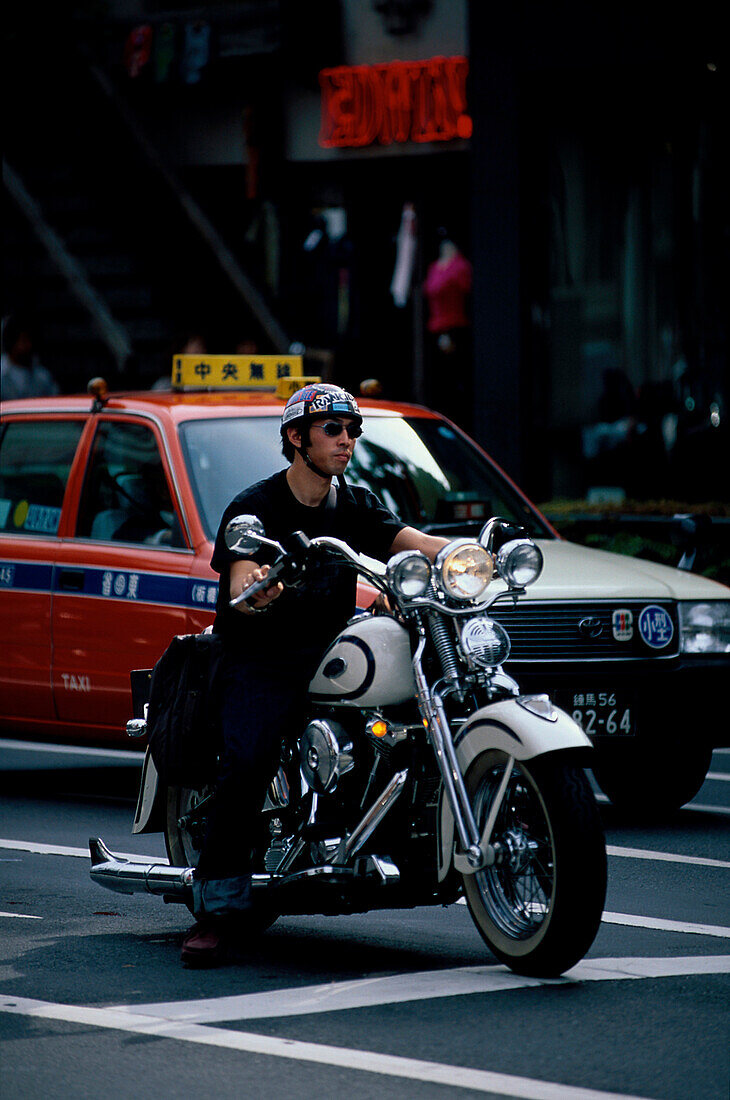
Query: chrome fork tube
pixel 432 710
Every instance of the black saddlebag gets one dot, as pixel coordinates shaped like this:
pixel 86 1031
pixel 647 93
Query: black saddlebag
pixel 183 720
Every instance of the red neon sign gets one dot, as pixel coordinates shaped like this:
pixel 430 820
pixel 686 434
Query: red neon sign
pixel 400 101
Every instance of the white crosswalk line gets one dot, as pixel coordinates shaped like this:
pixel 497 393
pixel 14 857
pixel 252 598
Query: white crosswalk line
pixel 418 986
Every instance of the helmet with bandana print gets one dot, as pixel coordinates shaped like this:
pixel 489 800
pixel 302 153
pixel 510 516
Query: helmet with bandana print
pixel 314 403
pixel 317 401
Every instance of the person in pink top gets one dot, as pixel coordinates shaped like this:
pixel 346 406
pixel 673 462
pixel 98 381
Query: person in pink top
pixel 447 288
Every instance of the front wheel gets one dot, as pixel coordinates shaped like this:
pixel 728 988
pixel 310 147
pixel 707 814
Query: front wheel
pixel 539 906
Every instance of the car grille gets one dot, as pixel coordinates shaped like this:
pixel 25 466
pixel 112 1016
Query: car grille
pixel 546 631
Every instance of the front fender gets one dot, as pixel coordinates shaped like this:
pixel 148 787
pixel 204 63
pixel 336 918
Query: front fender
pixel 515 729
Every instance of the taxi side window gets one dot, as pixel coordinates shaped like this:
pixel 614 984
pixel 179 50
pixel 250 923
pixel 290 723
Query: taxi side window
pixel 126 497
pixel 35 460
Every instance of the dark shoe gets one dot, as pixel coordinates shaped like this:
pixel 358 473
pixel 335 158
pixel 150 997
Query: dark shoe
pixel 204 945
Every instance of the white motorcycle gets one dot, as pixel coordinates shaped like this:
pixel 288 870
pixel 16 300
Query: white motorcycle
pixel 422 775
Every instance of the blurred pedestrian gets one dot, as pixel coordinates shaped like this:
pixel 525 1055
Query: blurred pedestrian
pixel 21 375
pixel 246 346
pixel 191 343
pixel 449 348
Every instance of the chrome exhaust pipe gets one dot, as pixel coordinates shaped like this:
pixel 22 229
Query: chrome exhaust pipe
pixel 125 877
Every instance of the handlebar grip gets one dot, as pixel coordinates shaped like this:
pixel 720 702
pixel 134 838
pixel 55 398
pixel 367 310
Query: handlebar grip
pixel 286 568
pixel 270 579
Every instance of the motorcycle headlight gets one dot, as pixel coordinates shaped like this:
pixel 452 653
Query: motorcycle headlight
pixel 519 562
pixel 704 627
pixel 464 569
pixel 409 574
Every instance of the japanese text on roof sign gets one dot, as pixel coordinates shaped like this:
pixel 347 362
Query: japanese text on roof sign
pixel 233 371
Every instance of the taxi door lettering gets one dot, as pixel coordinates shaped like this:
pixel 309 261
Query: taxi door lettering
pixel 75 683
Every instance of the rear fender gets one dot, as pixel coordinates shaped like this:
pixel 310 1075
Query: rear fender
pixel 149 816
pixel 516 730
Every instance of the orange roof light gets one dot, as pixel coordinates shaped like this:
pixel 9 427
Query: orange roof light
pixel 98 388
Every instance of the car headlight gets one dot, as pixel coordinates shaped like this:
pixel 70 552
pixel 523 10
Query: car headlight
pixel 409 574
pixel 704 627
pixel 464 569
pixel 519 562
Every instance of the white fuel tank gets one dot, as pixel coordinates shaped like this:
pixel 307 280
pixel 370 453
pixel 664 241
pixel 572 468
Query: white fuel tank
pixel 367 665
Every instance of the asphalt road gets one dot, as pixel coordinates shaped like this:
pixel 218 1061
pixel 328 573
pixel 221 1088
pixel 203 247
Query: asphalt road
pixel 94 1003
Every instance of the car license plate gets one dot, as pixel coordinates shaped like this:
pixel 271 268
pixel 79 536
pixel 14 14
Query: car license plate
pixel 600 713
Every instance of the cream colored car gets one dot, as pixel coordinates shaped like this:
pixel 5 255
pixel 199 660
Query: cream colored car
pixel 638 653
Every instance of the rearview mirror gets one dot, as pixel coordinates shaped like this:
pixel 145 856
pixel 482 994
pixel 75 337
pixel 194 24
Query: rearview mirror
pixel 244 534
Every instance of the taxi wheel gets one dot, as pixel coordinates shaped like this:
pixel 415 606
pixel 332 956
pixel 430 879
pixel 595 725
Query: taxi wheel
pixel 655 783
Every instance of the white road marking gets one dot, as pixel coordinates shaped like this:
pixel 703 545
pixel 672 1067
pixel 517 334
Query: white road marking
pixel 702 807
pixel 388 1065
pixel 665 857
pixel 83 853
pixel 21 916
pixel 658 923
pixel 706 808
pixel 64 850
pixel 419 986
pixel 723 777
pixel 130 755
pixel 629 919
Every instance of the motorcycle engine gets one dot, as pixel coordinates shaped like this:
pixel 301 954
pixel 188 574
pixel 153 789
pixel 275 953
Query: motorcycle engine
pixel 325 754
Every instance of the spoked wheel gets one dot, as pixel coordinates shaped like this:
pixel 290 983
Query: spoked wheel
pixel 539 906
pixel 184 830
pixel 183 842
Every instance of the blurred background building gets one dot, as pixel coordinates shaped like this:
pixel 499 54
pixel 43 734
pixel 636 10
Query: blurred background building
pixel 259 174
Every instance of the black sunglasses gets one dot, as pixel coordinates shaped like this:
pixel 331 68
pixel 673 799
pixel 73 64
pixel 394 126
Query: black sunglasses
pixel 333 428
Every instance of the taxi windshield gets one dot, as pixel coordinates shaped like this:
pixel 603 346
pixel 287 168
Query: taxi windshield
pixel 424 471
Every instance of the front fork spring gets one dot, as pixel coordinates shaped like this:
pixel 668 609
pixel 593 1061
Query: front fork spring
pixel 444 645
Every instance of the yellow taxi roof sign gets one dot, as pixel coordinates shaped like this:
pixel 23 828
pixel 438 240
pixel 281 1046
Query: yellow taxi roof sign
pixel 238 372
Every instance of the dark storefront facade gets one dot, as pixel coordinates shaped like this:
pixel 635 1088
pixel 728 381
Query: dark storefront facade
pixel 589 198
pixel 600 237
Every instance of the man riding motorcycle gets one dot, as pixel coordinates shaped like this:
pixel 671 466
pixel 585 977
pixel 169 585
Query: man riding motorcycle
pixel 273 642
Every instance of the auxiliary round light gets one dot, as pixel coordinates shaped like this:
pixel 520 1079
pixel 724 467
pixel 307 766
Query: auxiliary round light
pixel 519 562
pixel 409 574
pixel 464 569
pixel 485 642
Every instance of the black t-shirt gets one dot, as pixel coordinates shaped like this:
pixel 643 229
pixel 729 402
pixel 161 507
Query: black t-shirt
pixel 307 618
